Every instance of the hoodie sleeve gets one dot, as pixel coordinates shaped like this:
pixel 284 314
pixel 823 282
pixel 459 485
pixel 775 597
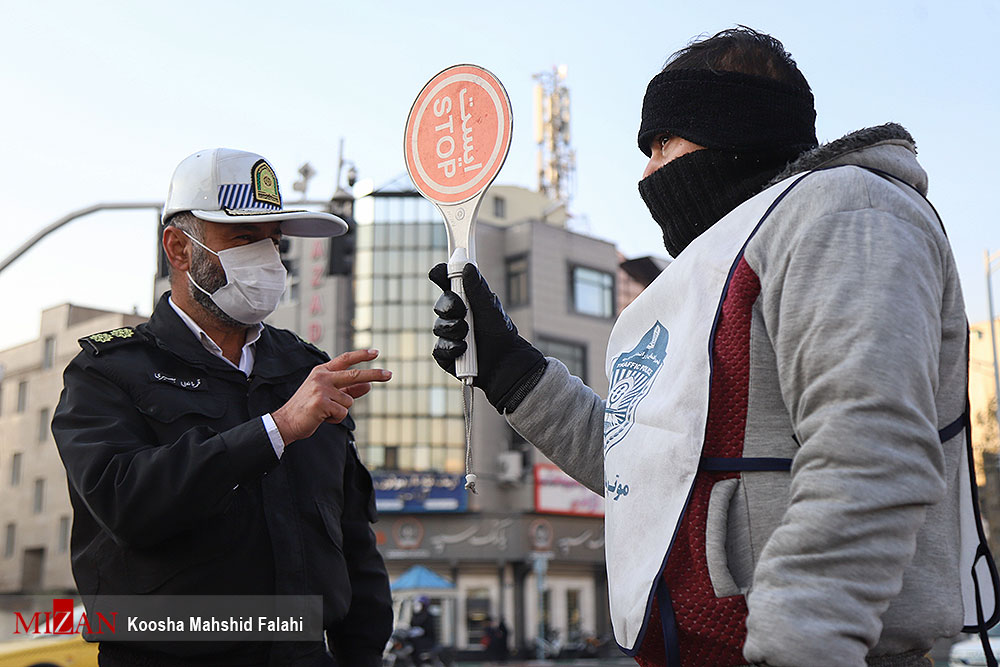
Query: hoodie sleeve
pixel 564 418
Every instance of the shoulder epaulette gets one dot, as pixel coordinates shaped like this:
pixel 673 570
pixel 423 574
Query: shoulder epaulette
pixel 108 340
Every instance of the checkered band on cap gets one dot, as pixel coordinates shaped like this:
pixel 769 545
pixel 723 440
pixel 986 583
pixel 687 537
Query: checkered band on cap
pixel 239 196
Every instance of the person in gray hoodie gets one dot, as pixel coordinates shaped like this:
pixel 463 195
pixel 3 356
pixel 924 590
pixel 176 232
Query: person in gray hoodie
pixel 784 449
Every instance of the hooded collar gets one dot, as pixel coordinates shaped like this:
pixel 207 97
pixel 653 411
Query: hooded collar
pixel 889 148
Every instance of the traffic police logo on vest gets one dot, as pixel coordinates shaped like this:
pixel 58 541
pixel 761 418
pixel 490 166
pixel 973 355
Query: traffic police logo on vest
pixel 631 378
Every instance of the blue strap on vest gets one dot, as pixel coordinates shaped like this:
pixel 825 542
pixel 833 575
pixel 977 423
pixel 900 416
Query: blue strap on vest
pixel 953 429
pixel 671 646
pixel 744 464
pixel 773 464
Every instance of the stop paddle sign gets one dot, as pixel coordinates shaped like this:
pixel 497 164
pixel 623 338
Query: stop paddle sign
pixel 457 138
pixel 458 134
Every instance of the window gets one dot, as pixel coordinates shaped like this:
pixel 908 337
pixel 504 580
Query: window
pixel 43 424
pixel 162 263
pixel 439 237
pixel 8 542
pixel 517 281
pixel 573 612
pixel 438 402
pixel 64 525
pixel 32 567
pixel 391 458
pixel 499 207
pixel 39 502
pixel 22 395
pixel 49 353
pixel 477 613
pixel 547 615
pixel 293 280
pixel 15 469
pixel 574 355
pixel 592 292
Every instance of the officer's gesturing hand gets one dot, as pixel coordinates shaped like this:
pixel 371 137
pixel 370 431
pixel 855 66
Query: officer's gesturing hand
pixel 327 394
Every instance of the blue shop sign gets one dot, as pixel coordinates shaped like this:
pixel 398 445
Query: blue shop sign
pixel 419 492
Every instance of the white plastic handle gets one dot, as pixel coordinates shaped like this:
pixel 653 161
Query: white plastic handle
pixel 465 366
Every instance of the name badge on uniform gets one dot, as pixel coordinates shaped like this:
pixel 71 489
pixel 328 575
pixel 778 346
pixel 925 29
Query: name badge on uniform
pixel 178 382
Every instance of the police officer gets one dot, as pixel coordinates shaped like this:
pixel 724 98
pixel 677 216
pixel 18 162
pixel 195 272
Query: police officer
pixel 208 453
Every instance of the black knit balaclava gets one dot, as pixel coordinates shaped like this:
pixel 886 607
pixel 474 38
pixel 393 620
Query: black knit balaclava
pixel 750 126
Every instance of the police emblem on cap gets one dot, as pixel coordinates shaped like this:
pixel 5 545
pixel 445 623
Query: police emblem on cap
pixel 265 184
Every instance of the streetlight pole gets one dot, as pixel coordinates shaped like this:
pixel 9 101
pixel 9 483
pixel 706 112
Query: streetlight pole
pixel 69 217
pixel 990 261
pixel 541 563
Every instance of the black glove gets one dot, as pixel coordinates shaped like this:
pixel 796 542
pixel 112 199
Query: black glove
pixel 509 367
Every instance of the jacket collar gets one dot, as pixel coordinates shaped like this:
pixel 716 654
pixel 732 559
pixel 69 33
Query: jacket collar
pixel 276 358
pixel 170 333
pixel 888 148
pixel 273 359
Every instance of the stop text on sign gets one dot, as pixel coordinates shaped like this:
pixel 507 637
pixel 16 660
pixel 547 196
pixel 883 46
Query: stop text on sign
pixel 445 146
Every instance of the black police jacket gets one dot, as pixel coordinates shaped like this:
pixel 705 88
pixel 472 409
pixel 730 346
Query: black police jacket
pixel 176 488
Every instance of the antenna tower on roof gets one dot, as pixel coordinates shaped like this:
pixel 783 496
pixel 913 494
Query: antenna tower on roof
pixel 556 159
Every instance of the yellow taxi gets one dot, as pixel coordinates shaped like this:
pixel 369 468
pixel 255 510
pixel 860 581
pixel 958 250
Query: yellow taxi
pixel 70 651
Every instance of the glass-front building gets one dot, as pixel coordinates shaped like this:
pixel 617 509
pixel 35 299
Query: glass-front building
pixel 414 422
pixel 559 289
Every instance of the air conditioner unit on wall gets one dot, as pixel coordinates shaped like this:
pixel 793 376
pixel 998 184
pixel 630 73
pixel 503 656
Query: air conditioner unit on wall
pixel 509 466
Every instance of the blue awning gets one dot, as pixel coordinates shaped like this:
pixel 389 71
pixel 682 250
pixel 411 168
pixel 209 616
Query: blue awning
pixel 419 577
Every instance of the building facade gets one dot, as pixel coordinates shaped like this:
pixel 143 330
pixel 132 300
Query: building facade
pixel 985 434
pixel 35 512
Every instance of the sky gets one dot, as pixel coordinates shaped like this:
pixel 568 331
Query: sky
pixel 102 99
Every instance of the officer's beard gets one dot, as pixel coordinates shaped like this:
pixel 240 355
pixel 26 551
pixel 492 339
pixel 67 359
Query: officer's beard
pixel 211 277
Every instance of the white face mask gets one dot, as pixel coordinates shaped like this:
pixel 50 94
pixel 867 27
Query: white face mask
pixel 255 280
